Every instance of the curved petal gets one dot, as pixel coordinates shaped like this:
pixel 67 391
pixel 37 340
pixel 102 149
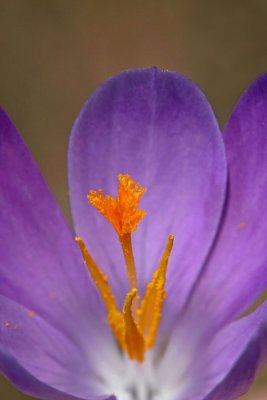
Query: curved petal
pixel 224 366
pixel 158 127
pixel 254 355
pixel 27 383
pixel 40 264
pixel 43 354
pixel 237 270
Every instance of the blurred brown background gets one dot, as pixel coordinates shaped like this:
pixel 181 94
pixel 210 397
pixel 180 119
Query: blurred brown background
pixel 54 53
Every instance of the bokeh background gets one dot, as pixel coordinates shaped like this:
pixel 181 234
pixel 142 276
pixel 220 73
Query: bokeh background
pixel 54 53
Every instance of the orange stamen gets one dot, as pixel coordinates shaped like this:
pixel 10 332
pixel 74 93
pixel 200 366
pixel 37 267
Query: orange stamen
pixel 135 327
pixel 115 319
pixel 98 276
pixel 134 340
pixel 151 306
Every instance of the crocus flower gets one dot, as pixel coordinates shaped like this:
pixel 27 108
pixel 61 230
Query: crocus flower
pixel 170 222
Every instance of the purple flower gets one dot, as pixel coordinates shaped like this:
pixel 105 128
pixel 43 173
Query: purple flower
pixel 68 333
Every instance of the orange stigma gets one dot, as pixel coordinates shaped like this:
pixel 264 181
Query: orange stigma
pixel 122 212
pixel 135 327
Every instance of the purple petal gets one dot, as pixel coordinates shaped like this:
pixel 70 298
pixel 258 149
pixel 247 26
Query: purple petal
pixel 225 365
pixel 39 359
pixel 158 127
pixel 40 265
pixel 27 383
pixel 251 334
pixel 237 270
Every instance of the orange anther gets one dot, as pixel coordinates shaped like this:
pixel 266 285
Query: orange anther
pixel 135 327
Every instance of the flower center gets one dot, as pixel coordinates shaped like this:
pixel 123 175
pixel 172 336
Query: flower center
pixel 136 326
